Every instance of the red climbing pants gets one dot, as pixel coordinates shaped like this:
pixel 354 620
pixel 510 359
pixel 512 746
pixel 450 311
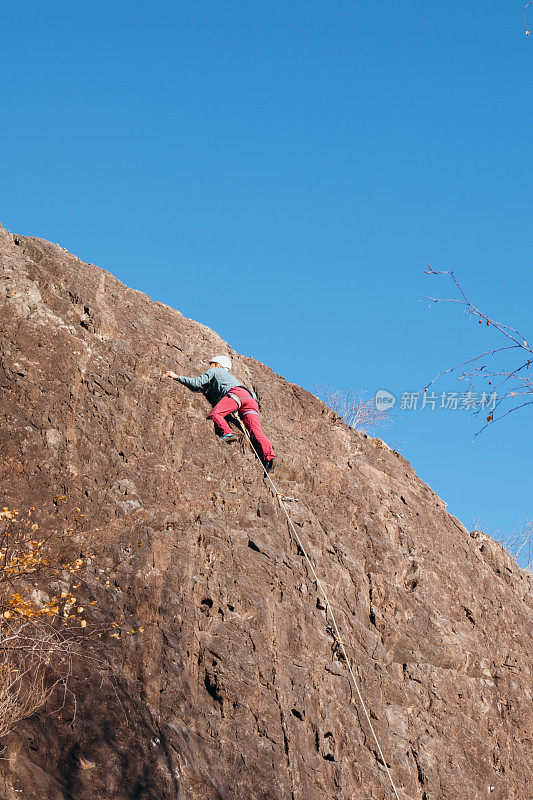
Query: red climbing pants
pixel 249 413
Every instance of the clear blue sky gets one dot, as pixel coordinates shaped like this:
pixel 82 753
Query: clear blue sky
pixel 283 172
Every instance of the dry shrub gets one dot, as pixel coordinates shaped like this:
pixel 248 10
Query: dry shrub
pixel 37 641
pixel 355 409
pixel 519 544
pixel 34 661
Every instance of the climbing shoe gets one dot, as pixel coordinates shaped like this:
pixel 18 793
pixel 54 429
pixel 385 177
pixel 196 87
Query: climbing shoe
pixel 229 437
pixel 270 466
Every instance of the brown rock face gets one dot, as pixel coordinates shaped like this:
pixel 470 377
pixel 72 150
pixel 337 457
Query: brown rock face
pixel 234 687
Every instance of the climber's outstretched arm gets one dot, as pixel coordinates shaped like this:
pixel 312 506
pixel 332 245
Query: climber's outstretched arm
pixel 193 383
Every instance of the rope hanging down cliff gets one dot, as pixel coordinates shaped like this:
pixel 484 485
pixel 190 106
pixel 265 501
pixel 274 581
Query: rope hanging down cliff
pixel 281 500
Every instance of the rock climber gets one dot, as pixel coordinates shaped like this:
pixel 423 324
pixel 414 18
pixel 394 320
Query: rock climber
pixel 228 394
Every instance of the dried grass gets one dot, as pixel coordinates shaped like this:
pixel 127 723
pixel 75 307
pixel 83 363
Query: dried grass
pixel 354 408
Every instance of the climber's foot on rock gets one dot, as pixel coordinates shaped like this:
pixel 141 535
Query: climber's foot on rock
pixel 229 437
pixel 271 465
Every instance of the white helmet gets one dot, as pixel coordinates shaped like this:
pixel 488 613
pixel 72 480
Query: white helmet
pixel 224 361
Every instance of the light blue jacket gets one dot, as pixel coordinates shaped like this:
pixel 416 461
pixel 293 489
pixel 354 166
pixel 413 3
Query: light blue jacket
pixel 216 383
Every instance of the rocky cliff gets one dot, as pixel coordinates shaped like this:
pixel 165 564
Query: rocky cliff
pixel 226 679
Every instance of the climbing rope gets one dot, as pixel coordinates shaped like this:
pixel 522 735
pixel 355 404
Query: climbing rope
pixel 282 499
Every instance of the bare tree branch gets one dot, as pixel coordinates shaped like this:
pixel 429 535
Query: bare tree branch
pixel 498 376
